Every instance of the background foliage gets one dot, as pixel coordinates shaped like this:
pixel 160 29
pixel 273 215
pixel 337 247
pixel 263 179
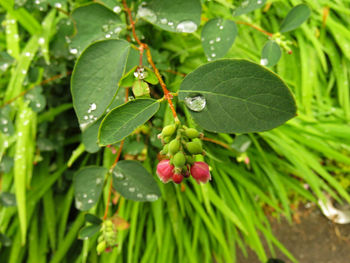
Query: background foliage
pixel 41 145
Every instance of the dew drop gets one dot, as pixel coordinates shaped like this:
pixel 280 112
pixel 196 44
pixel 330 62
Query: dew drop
pixel 213 55
pixel 146 13
pixel 221 27
pixel 218 39
pixel 117 9
pixel 152 197
pixel 163 21
pixel 108 35
pixel 4 121
pixel 245 3
pixel 196 103
pixel 84 195
pixel 58 5
pixel 38 105
pixel 73 51
pixel 118 175
pixel 259 2
pixel 211 42
pixel 139 195
pixel 78 204
pixel 92 107
pixel 140 73
pixel 132 189
pixel 264 61
pixel 186 27
pixel 41 40
pixel 98 180
pixel 90 201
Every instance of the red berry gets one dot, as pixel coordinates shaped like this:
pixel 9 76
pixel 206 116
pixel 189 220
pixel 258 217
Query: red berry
pixel 165 171
pixel 200 172
pixel 177 178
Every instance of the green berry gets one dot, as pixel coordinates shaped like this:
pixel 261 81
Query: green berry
pixel 189 159
pixel 174 146
pixel 165 149
pixel 101 247
pixel 168 130
pixel 108 223
pixel 166 139
pixel 100 239
pixel 191 133
pixel 179 160
pixel 194 147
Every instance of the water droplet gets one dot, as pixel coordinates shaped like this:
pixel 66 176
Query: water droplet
pixel 218 39
pixel 90 201
pixel 245 3
pixel 211 42
pixel 146 13
pixel 186 27
pixel 132 189
pixel 212 47
pixel 171 24
pixel 58 5
pixel 196 103
pixel 78 204
pixel 221 27
pixel 92 107
pixel 118 175
pixel 73 51
pixel 24 72
pixel 5 129
pixel 84 195
pixel 125 183
pixel 4 121
pixel 213 55
pixel 139 195
pixel 264 61
pixel 131 98
pixel 117 9
pixel 108 35
pixel 152 197
pixel 38 105
pixel 86 117
pixel 98 180
pixel 259 2
pixel 140 73
pixel 41 40
pixel 163 21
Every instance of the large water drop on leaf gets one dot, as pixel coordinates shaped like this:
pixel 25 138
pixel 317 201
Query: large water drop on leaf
pixel 196 103
pixel 186 27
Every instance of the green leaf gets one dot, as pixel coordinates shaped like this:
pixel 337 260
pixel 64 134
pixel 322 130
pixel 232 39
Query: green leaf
pixel 6 125
pixel 217 37
pixel 5 61
pixel 140 89
pixel 89 231
pixel 248 6
pixel 89 137
pixel 176 16
pixel 298 15
pixel 123 120
pixel 134 182
pixel 95 78
pixel 270 54
pixel 128 79
pixel 37 100
pixel 6 164
pixel 236 96
pixel 88 184
pixel 94 22
pixel 7 199
pixel 93 219
pixel 241 143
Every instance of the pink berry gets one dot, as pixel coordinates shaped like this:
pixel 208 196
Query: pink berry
pixel 165 171
pixel 177 178
pixel 200 172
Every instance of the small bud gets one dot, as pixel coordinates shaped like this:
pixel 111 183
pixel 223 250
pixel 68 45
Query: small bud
pixel 101 247
pixel 166 139
pixel 191 133
pixel 165 171
pixel 194 147
pixel 186 173
pixel 179 160
pixel 168 130
pixel 108 223
pixel 200 172
pixel 174 146
pixel 177 178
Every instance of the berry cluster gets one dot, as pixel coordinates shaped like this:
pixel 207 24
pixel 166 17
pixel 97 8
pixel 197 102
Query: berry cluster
pixel 181 144
pixel 108 237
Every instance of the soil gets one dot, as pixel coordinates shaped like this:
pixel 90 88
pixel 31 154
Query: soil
pixel 312 238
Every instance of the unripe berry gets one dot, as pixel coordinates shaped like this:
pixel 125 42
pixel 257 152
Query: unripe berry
pixel 101 247
pixel 177 178
pixel 194 147
pixel 200 172
pixel 174 146
pixel 191 133
pixel 165 149
pixel 189 159
pixel 165 171
pixel 168 130
pixel 179 160
pixel 166 139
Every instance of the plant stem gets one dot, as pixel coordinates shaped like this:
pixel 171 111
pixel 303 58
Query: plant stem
pixel 142 47
pixel 255 27
pixel 216 142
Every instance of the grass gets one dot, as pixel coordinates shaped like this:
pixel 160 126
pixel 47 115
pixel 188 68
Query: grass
pixel 200 223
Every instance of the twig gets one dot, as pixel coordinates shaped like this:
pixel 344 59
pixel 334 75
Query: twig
pixel 144 46
pixel 32 87
pixel 216 142
pixel 255 27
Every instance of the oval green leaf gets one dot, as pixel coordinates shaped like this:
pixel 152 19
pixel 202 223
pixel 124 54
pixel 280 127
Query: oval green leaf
pixel 95 78
pixel 236 96
pixel 93 219
pixel 89 231
pixel 183 16
pixel 217 37
pixel 93 22
pixel 88 184
pixel 247 6
pixel 270 54
pixel 123 120
pixel 298 15
pixel 134 182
